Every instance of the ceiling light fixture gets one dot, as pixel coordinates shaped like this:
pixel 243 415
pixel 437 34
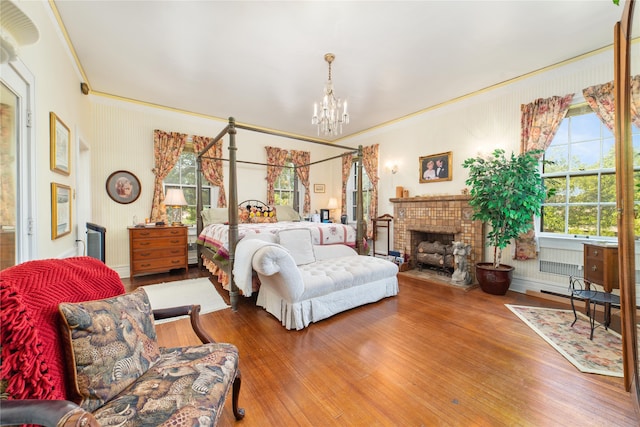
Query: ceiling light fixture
pixel 332 113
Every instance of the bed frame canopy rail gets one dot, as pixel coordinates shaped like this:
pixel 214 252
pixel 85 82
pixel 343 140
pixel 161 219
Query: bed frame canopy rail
pixel 232 195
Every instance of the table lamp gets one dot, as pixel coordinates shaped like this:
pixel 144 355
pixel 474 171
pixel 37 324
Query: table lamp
pixel 333 205
pixel 175 199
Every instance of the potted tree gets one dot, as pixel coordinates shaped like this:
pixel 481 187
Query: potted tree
pixel 506 192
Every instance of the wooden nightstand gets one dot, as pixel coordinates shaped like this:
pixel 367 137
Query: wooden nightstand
pixel 156 249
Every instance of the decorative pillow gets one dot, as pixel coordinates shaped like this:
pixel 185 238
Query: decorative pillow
pixel 243 215
pixel 266 215
pixel 112 342
pixel 298 243
pixel 287 213
pixel 215 216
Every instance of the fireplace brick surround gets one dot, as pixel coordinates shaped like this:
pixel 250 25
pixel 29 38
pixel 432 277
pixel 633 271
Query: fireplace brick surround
pixel 448 215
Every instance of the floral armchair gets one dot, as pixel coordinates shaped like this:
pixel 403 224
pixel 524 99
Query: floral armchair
pixel 77 350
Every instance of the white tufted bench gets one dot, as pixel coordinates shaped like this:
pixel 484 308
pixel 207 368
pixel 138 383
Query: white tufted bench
pixel 303 283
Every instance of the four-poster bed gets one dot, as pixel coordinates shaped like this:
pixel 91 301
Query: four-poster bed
pixel 232 205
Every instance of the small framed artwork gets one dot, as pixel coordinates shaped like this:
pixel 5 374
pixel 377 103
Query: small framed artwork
pixel 324 215
pixel 60 138
pixel 123 187
pixel 60 210
pixel 435 167
pixel 318 188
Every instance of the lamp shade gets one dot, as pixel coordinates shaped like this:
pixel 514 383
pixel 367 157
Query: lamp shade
pixel 175 197
pixel 333 203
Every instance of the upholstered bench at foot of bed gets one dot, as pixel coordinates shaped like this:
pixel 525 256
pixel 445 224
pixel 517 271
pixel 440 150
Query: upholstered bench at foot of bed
pixel 336 281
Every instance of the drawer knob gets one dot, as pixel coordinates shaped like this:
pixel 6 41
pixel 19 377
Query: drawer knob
pixel 144 243
pixel 594 268
pixel 595 252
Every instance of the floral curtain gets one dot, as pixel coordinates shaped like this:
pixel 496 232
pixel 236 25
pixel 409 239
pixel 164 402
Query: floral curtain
pixel 370 163
pixel 347 159
pixel 277 157
pixel 539 123
pixel 167 147
pixel 601 99
pixel 212 169
pixel 302 159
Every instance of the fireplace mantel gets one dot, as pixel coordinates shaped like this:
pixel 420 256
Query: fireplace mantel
pixel 438 214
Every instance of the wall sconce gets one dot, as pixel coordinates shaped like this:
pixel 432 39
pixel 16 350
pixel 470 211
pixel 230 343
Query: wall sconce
pixel 393 167
pixel 16 30
pixel 175 199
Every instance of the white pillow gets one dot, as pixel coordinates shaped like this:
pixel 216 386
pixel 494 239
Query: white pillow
pixel 298 243
pixel 215 216
pixel 287 213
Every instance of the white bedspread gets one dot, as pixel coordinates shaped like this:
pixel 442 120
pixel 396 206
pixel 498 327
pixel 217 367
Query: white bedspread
pixel 216 236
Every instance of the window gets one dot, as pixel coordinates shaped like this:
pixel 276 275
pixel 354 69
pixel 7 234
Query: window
pixel 284 186
pixel 582 172
pixel 183 175
pixel 352 193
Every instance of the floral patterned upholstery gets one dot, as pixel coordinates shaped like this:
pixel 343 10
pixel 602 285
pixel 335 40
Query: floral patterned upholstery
pixel 122 376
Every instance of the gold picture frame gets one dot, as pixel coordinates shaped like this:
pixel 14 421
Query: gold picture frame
pixel 435 167
pixel 318 188
pixel 60 152
pixel 60 210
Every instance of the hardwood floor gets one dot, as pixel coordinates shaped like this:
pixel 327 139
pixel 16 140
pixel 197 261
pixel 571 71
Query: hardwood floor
pixel 432 355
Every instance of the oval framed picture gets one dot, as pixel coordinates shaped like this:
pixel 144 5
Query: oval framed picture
pixel 123 187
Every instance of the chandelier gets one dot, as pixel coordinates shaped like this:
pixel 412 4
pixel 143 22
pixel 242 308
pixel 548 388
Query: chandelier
pixel 332 112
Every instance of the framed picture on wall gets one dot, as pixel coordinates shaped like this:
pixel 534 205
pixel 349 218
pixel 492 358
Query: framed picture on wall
pixel 60 210
pixel 123 187
pixel 318 188
pixel 60 138
pixel 435 167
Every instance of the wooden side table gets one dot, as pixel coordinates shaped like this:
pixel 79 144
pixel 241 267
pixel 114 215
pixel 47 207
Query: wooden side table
pixel 157 249
pixel 601 268
pixel 601 265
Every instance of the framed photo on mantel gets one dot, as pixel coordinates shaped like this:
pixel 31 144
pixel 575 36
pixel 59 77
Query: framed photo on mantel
pixel 435 167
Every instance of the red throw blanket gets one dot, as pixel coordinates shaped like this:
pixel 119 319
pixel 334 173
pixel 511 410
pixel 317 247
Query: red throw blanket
pixel 33 360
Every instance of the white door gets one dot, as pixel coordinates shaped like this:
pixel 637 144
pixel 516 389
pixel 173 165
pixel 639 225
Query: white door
pixel 17 165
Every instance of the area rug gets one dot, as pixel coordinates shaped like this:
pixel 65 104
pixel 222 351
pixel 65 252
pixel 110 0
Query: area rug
pixel 185 292
pixel 601 356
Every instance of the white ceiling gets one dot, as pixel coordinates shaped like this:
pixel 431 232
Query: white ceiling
pixel 262 62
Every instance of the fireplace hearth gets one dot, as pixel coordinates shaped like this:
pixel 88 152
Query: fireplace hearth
pixel 445 219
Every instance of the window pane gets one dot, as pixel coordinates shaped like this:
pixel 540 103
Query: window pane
pixel 583 219
pixel 173 177
pixel 585 156
pixel 562 134
pixel 608 221
pixel 190 195
pixel 608 188
pixel 559 185
pixel 585 127
pixel 636 150
pixel 206 197
pixel 553 219
pixel 559 156
pixel 583 189
pixel 608 153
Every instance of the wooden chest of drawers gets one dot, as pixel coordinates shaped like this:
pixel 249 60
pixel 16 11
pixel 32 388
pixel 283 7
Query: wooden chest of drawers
pixel 601 266
pixel 156 249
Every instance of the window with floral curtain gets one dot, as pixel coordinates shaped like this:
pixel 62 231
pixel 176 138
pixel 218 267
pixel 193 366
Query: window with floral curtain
pixel 167 147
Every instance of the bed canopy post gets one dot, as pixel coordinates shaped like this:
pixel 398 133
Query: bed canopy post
pixel 233 212
pixel 360 224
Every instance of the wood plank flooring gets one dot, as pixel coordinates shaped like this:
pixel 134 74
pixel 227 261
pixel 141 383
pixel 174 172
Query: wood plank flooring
pixel 431 356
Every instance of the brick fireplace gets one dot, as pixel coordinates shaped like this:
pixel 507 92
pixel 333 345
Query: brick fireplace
pixel 444 218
